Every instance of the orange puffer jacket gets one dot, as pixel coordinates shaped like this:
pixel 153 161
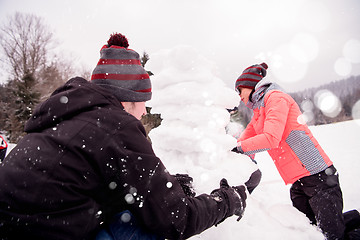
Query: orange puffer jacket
pixel 277 127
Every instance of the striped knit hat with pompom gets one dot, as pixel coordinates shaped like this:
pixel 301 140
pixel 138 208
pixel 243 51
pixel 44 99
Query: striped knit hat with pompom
pixel 120 71
pixel 251 76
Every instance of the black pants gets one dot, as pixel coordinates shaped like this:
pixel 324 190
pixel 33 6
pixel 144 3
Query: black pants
pixel 319 197
pixel 352 222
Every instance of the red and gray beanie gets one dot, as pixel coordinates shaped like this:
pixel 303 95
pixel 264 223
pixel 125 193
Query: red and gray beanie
pixel 251 76
pixel 120 71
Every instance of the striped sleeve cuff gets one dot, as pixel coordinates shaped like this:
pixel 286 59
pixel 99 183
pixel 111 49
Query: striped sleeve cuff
pixel 251 152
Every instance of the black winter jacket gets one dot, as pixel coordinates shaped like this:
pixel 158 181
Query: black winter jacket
pixel 85 159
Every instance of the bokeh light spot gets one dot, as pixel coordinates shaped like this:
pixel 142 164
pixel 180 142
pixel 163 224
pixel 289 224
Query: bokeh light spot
pixel 351 51
pixel 301 119
pixel 64 99
pixel 305 47
pixel 355 112
pixel 328 103
pixel 342 67
pixel 307 105
pixel 126 217
pixel 169 184
pixel 286 67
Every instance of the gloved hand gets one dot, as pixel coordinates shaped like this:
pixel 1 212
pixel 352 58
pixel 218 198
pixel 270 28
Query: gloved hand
pixel 237 150
pixel 233 196
pixel 240 190
pixel 186 183
pixel 253 181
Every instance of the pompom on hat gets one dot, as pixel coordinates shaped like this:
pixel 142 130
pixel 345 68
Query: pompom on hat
pixel 251 76
pixel 120 71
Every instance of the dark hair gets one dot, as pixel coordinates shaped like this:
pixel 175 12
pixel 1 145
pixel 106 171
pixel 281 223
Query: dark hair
pixel 250 96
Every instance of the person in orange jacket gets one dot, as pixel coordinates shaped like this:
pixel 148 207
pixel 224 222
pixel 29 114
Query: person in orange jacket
pixel 3 148
pixel 277 127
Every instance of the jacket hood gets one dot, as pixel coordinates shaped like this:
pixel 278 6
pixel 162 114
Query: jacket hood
pixel 260 90
pixel 263 83
pixel 75 96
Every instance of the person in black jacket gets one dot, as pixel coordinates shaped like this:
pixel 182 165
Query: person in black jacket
pixel 86 158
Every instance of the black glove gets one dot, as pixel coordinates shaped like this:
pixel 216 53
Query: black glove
pixel 237 150
pixel 186 184
pixel 233 196
pixel 253 181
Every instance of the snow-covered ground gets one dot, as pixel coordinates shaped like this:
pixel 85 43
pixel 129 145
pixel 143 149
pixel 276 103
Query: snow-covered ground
pixel 269 213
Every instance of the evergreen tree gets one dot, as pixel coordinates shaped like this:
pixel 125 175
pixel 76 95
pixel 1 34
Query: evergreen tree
pixel 26 98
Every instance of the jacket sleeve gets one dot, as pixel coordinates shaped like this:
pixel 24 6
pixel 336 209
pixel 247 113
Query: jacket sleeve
pixel 248 132
pixel 155 197
pixel 276 113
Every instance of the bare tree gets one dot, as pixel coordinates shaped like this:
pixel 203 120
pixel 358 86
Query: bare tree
pixel 25 41
pixel 53 75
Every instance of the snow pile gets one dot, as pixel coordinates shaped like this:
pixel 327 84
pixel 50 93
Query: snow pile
pixel 192 102
pixel 192 139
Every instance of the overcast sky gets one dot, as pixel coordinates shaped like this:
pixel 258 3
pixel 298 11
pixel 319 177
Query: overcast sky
pixel 306 43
